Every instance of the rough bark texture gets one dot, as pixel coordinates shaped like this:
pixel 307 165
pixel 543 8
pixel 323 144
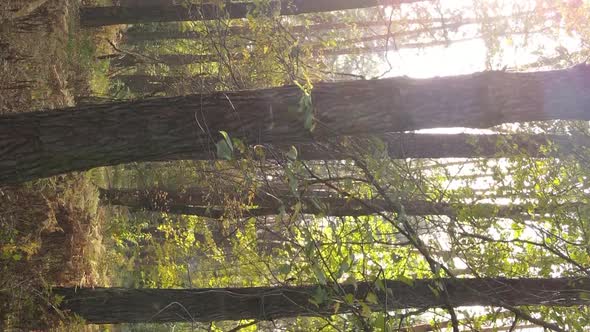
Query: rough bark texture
pixel 432 146
pixel 120 305
pixel 202 202
pixel 100 16
pixel 148 84
pixel 318 49
pixel 137 36
pixel 167 59
pixel 45 143
pixel 408 145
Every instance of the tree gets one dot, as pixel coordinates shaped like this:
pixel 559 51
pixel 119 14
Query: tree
pixel 431 146
pixel 149 84
pixel 202 202
pixel 317 49
pixel 121 305
pixel 135 35
pixel 100 16
pixel 39 144
pixel 168 59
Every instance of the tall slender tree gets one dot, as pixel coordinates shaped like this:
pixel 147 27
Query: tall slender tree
pixel 169 84
pixel 46 143
pixel 121 305
pixel 100 16
pixel 202 202
pixel 136 36
pixel 429 146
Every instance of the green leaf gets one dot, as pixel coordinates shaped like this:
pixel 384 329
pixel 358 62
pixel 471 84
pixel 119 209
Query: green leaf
pixel 308 122
pixel 336 307
pixel 379 323
pixel 319 274
pixel 319 296
pixel 349 299
pixel 406 280
pixel 306 108
pixel 226 138
pixel 366 310
pixel 292 154
pixel 223 151
pixel 293 182
pixel 344 267
pixel 285 268
pixel 372 298
pixel 239 145
pixel 435 291
pixel 225 148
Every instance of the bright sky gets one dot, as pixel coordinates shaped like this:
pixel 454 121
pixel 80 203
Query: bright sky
pixel 468 57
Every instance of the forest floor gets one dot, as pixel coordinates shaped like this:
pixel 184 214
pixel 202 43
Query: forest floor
pixel 50 229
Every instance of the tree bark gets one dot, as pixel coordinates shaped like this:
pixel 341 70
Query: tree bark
pixel 167 59
pixel 409 145
pixel 149 84
pixel 121 305
pixel 317 49
pixel 45 143
pixel 202 202
pixel 431 146
pixel 135 36
pixel 101 16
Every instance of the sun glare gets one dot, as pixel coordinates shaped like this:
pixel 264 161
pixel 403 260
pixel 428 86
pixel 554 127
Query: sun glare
pixel 467 50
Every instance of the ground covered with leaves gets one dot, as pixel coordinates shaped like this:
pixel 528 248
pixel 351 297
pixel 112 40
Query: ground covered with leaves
pixel 50 230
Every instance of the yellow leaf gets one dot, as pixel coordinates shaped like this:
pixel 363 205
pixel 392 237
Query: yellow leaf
pixel 336 307
pixel 246 54
pixel 372 298
pixel 349 298
pixel 365 310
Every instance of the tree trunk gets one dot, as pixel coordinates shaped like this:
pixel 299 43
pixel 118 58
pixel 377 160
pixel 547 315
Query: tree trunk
pixel 432 146
pixel 318 49
pixel 148 84
pixel 167 59
pixel 409 145
pixel 100 16
pixel 202 202
pixel 392 46
pixel 123 305
pixel 45 143
pixel 135 36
